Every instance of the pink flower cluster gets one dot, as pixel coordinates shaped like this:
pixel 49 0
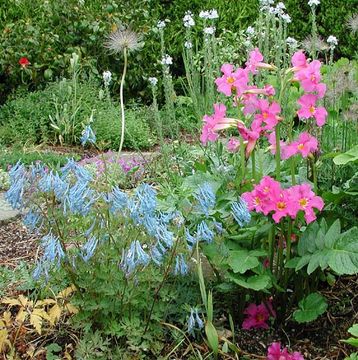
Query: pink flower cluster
pixel 257 316
pixel 268 197
pixel 309 77
pixel 276 353
pixel 265 111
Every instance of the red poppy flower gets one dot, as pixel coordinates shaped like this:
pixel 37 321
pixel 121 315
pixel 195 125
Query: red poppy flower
pixel 24 62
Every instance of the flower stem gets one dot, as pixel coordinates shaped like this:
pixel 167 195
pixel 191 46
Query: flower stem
pixel 278 153
pixel 122 101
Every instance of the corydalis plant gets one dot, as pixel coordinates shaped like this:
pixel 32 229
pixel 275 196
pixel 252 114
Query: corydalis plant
pixel 122 41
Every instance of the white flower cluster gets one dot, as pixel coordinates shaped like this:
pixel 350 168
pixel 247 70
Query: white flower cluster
pixel 250 31
pixel 153 81
pixel 107 77
pixel 278 10
pixel 265 4
pixel 209 14
pixel 313 2
pixel 161 24
pixel 292 43
pixel 332 41
pixel 210 30
pixel 167 60
pixel 188 44
pixel 188 19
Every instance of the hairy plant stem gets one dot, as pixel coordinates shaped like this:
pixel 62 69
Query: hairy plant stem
pixel 278 153
pixel 122 102
pixel 271 247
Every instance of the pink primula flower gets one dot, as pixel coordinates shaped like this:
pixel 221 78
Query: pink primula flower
pixel 307 200
pixel 283 205
pixel 208 132
pixel 250 135
pixel 275 353
pixel 232 82
pixel 299 61
pixel 310 76
pixel 304 145
pixel 233 144
pixel 256 61
pixel 308 109
pixel 269 113
pixel 257 317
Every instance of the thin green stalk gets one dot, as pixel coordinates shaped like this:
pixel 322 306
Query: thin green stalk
pixel 278 153
pixel 253 163
pixel 271 246
pixel 288 247
pixel 242 159
pixel 122 101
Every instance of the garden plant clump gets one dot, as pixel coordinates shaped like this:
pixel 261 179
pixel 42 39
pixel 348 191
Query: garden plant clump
pixel 233 236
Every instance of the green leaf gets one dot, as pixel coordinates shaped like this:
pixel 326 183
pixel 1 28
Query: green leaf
pixel 350 155
pixel 353 330
pixel 310 308
pixel 212 336
pixel 241 260
pixel 255 282
pixel 353 356
pixel 351 341
pixel 332 234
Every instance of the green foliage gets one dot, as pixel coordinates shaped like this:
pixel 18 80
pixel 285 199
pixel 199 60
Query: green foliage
pixel 322 247
pixel 350 155
pixel 353 340
pixel 310 308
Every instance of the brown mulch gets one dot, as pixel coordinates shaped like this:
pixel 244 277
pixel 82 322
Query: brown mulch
pixel 16 244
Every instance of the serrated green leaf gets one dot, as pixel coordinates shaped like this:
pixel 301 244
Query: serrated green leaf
pixel 255 282
pixel 310 308
pixel 241 260
pixel 307 242
pixel 333 233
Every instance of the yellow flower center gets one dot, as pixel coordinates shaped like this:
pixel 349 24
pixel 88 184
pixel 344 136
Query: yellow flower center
pixel 257 200
pixel 313 78
pixel 230 80
pixel 266 189
pixel 281 205
pixel 303 202
pixel 265 115
pixel 312 109
pixel 300 147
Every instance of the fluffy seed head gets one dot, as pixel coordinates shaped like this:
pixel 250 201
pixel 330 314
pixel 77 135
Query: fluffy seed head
pixel 352 23
pixel 122 39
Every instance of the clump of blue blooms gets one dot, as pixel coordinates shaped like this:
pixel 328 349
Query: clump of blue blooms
pixel 133 257
pixel 194 321
pixel 204 233
pixel 181 268
pixel 15 193
pixel 88 136
pixel 240 212
pixel 88 249
pixel 206 198
pixel 32 220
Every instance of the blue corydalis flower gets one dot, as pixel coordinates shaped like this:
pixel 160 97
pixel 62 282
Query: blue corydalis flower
pixel 240 212
pixel 133 257
pixel 206 198
pixel 79 171
pixel 52 249
pixel 194 321
pixel 88 136
pixel 31 220
pixel 191 240
pixel 15 193
pixel 181 268
pixel 88 249
pixel 79 199
pixel 118 199
pixel 204 233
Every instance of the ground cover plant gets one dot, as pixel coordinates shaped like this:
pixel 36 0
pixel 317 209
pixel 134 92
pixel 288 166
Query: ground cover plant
pixel 233 237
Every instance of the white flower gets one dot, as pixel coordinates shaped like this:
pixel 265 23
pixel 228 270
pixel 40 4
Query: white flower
pixel 188 44
pixel 250 31
pixel 153 81
pixel 292 43
pixel 204 14
pixel 313 2
pixel 167 60
pixel 161 24
pixel 332 41
pixel 188 19
pixel 213 14
pixel 210 30
pixel 265 4
pixel 286 18
pixel 280 6
pixel 107 77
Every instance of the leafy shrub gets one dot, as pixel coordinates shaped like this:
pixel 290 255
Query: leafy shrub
pixel 26 119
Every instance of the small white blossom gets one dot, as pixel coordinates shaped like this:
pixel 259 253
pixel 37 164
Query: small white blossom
pixel 280 6
pixel 265 4
pixel 271 10
pixel 188 19
pixel 188 44
pixel 161 24
pixel 286 18
pixel 313 2
pixel 107 77
pixel 167 60
pixel 213 14
pixel 250 31
pixel 204 14
pixel 210 30
pixel 153 81
pixel 292 43
pixel 332 41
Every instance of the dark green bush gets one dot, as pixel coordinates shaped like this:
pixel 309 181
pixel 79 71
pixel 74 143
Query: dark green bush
pixel 47 32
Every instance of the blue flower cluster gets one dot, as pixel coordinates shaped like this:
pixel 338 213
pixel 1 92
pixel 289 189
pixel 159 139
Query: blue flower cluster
pixel 240 212
pixel 133 257
pixel 16 191
pixel 194 321
pixel 88 136
pixel 206 198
